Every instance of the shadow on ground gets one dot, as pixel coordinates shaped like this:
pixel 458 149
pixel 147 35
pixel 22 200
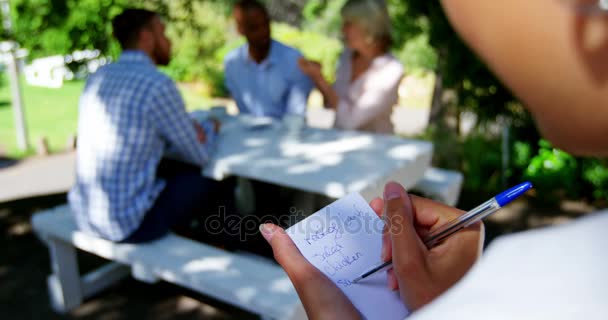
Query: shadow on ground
pixel 7 162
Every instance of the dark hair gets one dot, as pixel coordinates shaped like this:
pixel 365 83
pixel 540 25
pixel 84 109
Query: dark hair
pixel 247 5
pixel 127 25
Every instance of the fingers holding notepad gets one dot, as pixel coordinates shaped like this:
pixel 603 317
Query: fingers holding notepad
pixel 421 274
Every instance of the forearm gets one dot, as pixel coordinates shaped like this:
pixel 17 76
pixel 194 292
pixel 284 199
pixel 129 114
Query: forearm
pixel 329 94
pixel 173 123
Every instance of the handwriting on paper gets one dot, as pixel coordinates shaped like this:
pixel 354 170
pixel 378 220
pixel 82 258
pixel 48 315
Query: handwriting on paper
pixel 343 240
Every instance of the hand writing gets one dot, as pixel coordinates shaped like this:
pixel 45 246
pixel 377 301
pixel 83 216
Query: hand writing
pixel 419 273
pixel 320 297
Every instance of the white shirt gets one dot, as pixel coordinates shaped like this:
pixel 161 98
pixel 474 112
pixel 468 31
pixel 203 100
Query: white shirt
pixel 552 273
pixel 367 103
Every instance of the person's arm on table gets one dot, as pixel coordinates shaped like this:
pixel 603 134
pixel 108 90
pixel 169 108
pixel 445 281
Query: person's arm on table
pixel 313 70
pixel 176 127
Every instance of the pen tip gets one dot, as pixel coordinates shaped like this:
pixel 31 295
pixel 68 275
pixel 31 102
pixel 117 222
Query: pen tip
pixel 357 279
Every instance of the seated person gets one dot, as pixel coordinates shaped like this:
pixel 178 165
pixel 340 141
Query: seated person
pixel 263 75
pixel 368 76
pixel 130 115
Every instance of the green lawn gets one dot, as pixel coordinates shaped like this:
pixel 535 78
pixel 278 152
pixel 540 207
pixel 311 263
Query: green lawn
pixel 50 113
pixel 53 113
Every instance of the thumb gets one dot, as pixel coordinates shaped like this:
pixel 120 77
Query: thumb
pixel 284 249
pixel 409 253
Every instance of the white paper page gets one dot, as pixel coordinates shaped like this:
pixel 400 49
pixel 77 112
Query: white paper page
pixel 344 240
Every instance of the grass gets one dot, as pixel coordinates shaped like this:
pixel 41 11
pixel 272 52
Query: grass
pixel 49 113
pixel 53 113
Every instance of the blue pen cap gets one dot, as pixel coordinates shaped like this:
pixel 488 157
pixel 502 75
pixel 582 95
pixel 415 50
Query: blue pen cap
pixel 512 193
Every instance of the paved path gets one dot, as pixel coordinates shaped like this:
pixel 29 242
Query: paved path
pixel 37 176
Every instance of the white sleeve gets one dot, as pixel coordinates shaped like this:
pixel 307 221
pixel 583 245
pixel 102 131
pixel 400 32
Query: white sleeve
pixel 557 272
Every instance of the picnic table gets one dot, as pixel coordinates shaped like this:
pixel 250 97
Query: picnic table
pixel 328 162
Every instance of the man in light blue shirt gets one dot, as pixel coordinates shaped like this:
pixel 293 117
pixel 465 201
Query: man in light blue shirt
pixel 130 116
pixel 263 76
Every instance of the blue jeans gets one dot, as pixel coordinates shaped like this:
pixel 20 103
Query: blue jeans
pixel 187 196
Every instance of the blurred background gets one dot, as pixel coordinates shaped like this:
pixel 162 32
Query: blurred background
pixel 448 97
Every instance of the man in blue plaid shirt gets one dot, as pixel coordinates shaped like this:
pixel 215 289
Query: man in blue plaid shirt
pixel 131 115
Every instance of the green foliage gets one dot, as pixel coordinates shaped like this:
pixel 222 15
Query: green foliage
pixel 198 32
pixel 313 46
pixel 417 54
pixel 323 16
pixel 411 37
pixel 481 160
pixel 50 27
pixel 595 172
pixel 555 173
pixel 552 169
pixel 522 154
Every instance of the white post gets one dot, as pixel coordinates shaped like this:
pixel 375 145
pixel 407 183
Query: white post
pixel 17 100
pixel 10 51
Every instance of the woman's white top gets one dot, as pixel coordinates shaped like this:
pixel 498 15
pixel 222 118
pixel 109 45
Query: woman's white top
pixel 366 104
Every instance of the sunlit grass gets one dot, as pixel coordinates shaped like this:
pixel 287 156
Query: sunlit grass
pixel 53 114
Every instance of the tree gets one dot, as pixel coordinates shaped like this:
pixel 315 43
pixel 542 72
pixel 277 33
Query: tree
pixel 475 88
pixel 49 27
pixel 288 11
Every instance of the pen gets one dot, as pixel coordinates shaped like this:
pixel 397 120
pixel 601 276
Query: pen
pixel 465 220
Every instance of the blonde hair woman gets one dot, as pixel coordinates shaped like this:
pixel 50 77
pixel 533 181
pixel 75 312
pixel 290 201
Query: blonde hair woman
pixel 368 76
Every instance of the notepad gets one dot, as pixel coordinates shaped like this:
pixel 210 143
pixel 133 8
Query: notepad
pixel 344 240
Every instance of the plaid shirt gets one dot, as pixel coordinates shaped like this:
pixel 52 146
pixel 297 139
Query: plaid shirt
pixel 130 115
